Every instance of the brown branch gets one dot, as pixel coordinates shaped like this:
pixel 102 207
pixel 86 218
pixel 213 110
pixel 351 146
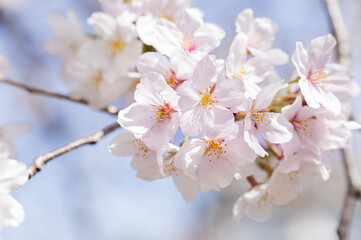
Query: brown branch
pixel 41 160
pixel 251 179
pixel 110 109
pixel 353 178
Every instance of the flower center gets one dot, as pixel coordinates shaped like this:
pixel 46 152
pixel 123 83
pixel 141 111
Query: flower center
pixel 260 116
pixel 214 148
pixel 142 149
pixel 245 72
pixel 189 44
pixel 171 79
pixel 169 167
pixel 319 76
pixel 207 98
pixel 161 112
pixel 117 46
pixel 305 126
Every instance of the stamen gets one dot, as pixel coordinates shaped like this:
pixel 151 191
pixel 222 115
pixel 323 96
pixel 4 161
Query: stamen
pixel 162 111
pixel 207 97
pixel 318 76
pixel 142 149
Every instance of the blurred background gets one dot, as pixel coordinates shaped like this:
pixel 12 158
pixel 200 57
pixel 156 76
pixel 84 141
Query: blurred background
pixel 90 194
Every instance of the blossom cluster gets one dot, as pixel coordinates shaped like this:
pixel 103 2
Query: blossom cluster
pixel 236 115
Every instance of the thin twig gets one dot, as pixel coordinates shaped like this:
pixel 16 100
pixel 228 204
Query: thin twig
pixel 110 109
pixel 41 160
pixel 353 178
pixel 252 180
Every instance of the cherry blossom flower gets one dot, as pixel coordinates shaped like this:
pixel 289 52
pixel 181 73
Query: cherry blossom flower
pixel 94 79
pixel 175 70
pixel 155 10
pixel 215 158
pixel 13 174
pixel 206 97
pixel 151 165
pixel 251 71
pixel 68 35
pixel 280 189
pixel 154 117
pixel 189 33
pixel 119 39
pixel 260 120
pixel 322 83
pixel 260 34
pixel 67 39
pixel 304 162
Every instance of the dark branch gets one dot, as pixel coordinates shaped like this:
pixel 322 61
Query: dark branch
pixel 41 160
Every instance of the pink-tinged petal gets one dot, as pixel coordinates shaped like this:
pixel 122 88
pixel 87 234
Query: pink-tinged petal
pixel 314 165
pixel 127 58
pixel 146 166
pixel 190 20
pixel 215 174
pixel 183 64
pixel 190 155
pixel 275 128
pixel 237 55
pixel 307 112
pixel 238 209
pixel 301 60
pixel 258 207
pixel 187 186
pixel 283 188
pixel 192 121
pixel 208 37
pixel 205 73
pixel 228 131
pixel 13 129
pixel 239 152
pixel 153 61
pixel 13 174
pixel 149 89
pixel 123 145
pixel 160 134
pixel 251 89
pixel 265 96
pixel 244 21
pixel 220 116
pixel 263 36
pixel 340 81
pixel 308 92
pixel 145 29
pixel 167 37
pixel 327 99
pixel 320 49
pixel 290 111
pixel 190 97
pixel 12 213
pixel 103 24
pixel 250 137
pixel 289 165
pixel 137 118
pixel 289 148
